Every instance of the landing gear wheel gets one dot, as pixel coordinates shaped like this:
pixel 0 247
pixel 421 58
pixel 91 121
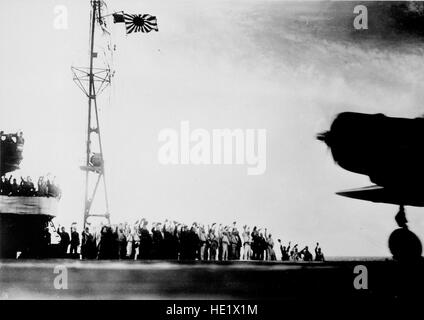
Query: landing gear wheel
pixel 405 245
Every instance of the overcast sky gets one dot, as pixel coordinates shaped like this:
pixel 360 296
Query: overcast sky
pixel 286 68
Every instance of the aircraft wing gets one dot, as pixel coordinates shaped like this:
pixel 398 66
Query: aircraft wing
pixel 381 194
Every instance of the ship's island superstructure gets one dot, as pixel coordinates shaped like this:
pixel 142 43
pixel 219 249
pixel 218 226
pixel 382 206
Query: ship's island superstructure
pixel 24 217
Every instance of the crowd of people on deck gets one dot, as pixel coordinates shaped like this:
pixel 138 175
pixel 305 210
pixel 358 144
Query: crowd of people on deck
pixel 295 255
pixel 176 241
pixel 46 187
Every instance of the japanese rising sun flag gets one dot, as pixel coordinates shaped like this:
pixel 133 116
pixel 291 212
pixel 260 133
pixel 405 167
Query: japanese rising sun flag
pixel 137 22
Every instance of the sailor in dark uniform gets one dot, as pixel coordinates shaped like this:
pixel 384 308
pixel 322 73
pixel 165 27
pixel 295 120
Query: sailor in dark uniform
pixel 64 241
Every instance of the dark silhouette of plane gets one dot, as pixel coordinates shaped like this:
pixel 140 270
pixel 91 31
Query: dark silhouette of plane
pixel 390 151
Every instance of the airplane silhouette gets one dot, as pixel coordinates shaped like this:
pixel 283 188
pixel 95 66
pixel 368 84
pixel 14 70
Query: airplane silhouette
pixel 390 151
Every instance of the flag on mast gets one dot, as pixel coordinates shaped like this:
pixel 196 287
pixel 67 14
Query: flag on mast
pixel 136 22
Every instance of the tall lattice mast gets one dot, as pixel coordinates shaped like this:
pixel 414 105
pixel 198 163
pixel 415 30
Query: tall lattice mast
pixel 92 81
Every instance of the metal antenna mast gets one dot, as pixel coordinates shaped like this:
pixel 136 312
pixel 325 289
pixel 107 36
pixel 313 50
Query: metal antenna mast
pixel 92 81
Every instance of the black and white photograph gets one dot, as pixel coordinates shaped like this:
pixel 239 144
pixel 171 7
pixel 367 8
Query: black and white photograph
pixel 212 150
